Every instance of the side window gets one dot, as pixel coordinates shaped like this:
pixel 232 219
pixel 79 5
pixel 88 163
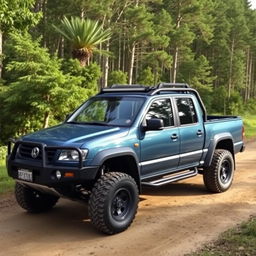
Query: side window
pixel 161 109
pixel 186 110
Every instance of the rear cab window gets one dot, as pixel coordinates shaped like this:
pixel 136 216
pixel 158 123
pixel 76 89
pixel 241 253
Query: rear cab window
pixel 186 111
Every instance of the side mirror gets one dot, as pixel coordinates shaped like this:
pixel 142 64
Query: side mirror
pixel 154 124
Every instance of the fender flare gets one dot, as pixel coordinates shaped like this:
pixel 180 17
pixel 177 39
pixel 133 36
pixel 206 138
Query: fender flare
pixel 107 154
pixel 216 139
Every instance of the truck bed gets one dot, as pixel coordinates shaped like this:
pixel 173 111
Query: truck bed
pixel 232 125
pixel 212 118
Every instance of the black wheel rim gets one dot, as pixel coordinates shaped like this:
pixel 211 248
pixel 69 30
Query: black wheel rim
pixel 121 204
pixel 225 171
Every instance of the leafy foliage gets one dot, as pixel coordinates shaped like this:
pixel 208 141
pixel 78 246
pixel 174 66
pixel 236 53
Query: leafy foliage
pixel 209 44
pixel 17 14
pixel 146 77
pixel 117 77
pixel 40 93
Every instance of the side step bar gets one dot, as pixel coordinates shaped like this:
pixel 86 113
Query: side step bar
pixel 171 178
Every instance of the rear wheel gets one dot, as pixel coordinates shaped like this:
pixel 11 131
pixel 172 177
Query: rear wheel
pixel 113 202
pixel 32 200
pixel 219 176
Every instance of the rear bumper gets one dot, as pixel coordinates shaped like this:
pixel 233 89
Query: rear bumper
pixel 242 148
pixel 239 147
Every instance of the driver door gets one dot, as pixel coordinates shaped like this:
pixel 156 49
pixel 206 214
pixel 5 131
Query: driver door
pixel 160 148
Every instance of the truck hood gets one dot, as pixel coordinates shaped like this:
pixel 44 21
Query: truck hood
pixel 73 134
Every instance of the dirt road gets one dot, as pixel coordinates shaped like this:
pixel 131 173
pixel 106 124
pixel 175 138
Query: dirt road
pixel 172 220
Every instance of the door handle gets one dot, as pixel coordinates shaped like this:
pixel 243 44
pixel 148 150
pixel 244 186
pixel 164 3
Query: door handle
pixel 174 136
pixel 199 133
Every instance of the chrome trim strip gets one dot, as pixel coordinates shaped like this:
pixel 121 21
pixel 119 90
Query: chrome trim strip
pixel 163 159
pixel 159 160
pixel 191 153
pixel 238 143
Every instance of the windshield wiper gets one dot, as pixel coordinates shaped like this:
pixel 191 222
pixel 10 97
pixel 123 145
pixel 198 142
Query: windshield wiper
pixel 90 123
pixel 98 123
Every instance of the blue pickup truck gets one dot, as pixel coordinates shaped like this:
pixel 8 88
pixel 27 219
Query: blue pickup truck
pixel 118 141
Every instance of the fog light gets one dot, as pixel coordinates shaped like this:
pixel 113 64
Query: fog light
pixel 58 174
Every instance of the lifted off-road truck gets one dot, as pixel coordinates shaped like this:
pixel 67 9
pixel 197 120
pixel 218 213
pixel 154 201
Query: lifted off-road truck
pixel 118 141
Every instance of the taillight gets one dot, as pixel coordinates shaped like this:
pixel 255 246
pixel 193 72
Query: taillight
pixel 243 133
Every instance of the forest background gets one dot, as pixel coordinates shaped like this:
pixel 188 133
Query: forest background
pixel 209 44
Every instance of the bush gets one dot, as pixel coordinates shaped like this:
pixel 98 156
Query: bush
pixel 146 77
pixel 117 77
pixel 3 152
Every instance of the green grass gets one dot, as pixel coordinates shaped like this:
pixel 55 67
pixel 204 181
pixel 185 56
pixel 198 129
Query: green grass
pixel 250 125
pixel 238 241
pixel 6 183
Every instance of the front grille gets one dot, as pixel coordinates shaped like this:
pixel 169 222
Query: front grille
pixel 50 155
pixel 25 151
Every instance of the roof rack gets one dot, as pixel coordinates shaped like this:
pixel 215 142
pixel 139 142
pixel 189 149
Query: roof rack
pixel 184 90
pixel 173 85
pixel 127 88
pixel 162 87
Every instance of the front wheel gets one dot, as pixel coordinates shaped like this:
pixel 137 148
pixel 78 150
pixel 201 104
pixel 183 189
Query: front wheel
pixel 32 200
pixel 113 202
pixel 219 176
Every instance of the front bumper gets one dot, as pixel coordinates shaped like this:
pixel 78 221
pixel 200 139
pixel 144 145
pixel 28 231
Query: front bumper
pixel 44 173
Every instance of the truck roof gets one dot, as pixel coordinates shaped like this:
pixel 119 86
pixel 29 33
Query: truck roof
pixel 135 89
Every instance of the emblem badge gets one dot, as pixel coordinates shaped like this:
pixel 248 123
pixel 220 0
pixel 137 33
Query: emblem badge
pixel 35 152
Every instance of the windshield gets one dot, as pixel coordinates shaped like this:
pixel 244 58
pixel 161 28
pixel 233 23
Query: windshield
pixel 116 111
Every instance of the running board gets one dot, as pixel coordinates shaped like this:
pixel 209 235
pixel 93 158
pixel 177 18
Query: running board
pixel 171 178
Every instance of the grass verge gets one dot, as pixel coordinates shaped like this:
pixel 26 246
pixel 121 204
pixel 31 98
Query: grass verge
pixel 250 126
pixel 238 241
pixel 6 183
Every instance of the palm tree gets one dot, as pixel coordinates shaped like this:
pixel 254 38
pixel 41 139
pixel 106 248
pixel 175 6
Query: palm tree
pixel 84 36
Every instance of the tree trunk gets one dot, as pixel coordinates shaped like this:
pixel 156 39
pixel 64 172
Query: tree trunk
pixel 62 47
pixel 133 48
pixel 253 78
pixel 131 63
pixel 176 49
pixel 247 75
pixel 119 52
pixel 250 77
pixel 106 68
pixel 46 119
pixel 44 9
pixel 175 64
pixel 124 55
pixel 82 13
pixel 1 52
pixel 231 67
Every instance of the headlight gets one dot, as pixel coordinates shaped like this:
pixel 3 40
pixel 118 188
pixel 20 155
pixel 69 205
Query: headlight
pixel 72 155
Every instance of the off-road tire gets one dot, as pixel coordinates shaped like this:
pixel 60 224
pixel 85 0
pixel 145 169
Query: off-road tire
pixel 113 202
pixel 32 200
pixel 219 175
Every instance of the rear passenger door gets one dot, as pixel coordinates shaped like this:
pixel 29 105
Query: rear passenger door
pixel 191 131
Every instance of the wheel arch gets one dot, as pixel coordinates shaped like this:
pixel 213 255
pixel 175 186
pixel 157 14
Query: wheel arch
pixel 120 159
pixel 220 141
